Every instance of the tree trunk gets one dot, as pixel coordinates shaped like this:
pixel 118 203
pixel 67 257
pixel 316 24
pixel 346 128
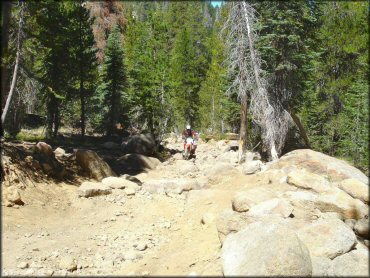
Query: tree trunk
pixel 301 129
pixel 17 61
pixel 82 92
pixel 274 154
pixel 6 13
pixel 243 129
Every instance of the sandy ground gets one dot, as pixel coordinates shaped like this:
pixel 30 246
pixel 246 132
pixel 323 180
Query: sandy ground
pixel 144 234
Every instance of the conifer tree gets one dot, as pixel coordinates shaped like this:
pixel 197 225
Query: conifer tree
pixel 113 80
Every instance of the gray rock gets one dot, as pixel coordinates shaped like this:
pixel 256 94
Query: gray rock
pixel 327 238
pixel 306 180
pixel 130 256
pixel 241 201
pixel 336 200
pixel 208 218
pixel 251 167
pixel 68 263
pixel 22 265
pixel 137 162
pixel 118 183
pixel 350 223
pixel 130 191
pixel 110 145
pixel 362 227
pixel 92 164
pixel 321 164
pixel 354 263
pixel 11 196
pixel 276 206
pixel 185 166
pixel 265 249
pixel 228 222
pixel 356 189
pixel 140 144
pixel 174 185
pixel 90 189
pixel 321 266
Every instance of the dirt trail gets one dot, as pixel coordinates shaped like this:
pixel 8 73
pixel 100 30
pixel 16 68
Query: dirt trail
pixel 144 234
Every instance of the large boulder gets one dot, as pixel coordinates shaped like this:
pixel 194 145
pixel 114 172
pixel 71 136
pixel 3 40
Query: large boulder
pixel 175 185
pixel 251 167
pixel 356 189
pixel 44 154
pixel 354 263
pixel 11 196
pixel 228 222
pixel 90 189
pixel 276 206
pixel 306 180
pixel 337 200
pixel 119 183
pixel 265 249
pixel 321 164
pixel 328 238
pixel 140 144
pixel 110 145
pixel 137 162
pixel 321 266
pixel 93 165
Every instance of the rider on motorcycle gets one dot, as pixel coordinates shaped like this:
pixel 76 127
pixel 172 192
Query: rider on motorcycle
pixel 188 132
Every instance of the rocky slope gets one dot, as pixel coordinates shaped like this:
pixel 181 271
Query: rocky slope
pixel 305 214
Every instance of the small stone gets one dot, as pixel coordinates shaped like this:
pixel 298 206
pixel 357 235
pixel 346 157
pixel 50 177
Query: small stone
pixel 141 246
pixel 23 265
pixel 208 218
pixel 129 191
pixel 145 273
pixel 68 263
pixel 130 256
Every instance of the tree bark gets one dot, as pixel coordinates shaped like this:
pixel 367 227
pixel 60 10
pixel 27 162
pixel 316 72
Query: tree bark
pixel 301 129
pixel 82 92
pixel 243 129
pixel 274 154
pixel 6 14
pixel 17 61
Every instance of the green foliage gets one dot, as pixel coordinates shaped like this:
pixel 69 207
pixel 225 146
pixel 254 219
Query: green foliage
pixel 113 81
pixel 166 68
pixel 336 108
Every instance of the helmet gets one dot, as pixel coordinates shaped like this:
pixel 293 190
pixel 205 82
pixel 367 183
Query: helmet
pixel 188 127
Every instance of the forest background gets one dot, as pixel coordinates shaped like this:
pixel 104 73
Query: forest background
pixel 158 65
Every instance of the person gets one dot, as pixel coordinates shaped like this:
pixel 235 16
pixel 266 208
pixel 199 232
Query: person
pixel 188 132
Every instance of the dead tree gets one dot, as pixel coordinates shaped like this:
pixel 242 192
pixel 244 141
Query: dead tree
pixel 245 65
pixel 17 62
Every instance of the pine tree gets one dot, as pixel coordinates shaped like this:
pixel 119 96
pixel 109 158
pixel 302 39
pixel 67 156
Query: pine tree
pixel 113 81
pixel 336 108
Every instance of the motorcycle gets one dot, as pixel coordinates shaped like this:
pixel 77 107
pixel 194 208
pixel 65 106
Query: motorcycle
pixel 189 148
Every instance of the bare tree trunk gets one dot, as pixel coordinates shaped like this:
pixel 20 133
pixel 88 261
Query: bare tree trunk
pixel 6 13
pixel 274 154
pixel 17 61
pixel 301 129
pixel 243 129
pixel 82 92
